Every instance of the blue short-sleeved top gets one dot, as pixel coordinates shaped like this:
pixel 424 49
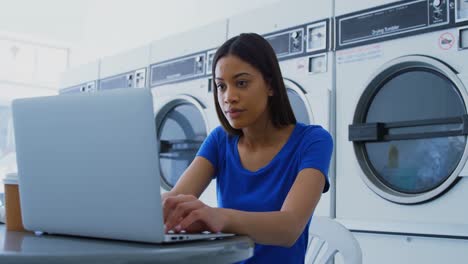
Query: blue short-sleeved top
pixel 309 146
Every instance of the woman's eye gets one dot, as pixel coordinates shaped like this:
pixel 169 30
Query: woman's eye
pixel 220 86
pixel 241 83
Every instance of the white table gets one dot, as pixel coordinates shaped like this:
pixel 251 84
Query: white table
pixel 24 247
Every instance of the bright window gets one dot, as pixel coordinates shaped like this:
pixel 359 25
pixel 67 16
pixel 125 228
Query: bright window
pixel 27 69
pixel 30 63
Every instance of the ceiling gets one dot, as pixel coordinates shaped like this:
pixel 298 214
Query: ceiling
pixel 60 20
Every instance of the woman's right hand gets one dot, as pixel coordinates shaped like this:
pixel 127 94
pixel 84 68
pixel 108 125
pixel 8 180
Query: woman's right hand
pixel 187 212
pixel 170 207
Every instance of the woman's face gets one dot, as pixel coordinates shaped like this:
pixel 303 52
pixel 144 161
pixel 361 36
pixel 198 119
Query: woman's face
pixel 242 92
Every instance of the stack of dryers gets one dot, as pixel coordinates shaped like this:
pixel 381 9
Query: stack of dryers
pixel 180 79
pixel 300 33
pixel 402 125
pixel 80 79
pixel 125 70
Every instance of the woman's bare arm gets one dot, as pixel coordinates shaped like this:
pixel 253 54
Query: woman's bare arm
pixel 280 228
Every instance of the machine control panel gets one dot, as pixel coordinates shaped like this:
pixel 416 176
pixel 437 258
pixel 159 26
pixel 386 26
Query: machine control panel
pixel 134 79
pixel 287 43
pixel 209 60
pixel 140 78
pixel 317 63
pixel 116 82
pixel 392 20
pixel 463 39
pixel 438 11
pixel 178 69
pixel 317 36
pixel 87 87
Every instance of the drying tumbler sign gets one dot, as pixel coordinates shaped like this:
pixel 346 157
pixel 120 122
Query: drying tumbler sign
pixel 389 21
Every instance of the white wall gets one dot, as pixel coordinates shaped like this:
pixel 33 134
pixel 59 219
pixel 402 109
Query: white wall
pixel 115 25
pixel 97 28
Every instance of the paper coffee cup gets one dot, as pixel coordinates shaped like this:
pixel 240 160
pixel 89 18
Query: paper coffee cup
pixel 12 203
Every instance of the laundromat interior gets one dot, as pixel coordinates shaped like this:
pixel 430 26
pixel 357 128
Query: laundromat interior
pixel 387 79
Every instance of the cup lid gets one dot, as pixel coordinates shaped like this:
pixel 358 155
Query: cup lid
pixel 11 178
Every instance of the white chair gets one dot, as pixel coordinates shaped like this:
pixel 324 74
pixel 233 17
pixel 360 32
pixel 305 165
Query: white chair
pixel 327 237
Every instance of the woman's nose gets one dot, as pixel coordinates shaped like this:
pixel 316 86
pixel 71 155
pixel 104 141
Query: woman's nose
pixel 230 95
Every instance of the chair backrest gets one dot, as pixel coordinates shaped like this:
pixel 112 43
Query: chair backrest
pixel 327 237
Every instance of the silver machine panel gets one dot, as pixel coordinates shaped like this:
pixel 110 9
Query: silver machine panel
pixel 134 79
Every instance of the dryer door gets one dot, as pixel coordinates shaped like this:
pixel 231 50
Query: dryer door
pixel 409 130
pixel 299 102
pixel 181 127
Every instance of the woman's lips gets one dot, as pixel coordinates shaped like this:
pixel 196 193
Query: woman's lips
pixel 234 113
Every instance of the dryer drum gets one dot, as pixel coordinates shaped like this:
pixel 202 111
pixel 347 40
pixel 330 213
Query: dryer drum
pixel 181 129
pixel 409 130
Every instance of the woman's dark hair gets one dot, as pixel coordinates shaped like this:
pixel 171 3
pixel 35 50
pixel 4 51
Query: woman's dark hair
pixel 255 50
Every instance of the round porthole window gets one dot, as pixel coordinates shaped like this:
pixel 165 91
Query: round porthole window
pixel 298 102
pixel 181 129
pixel 409 130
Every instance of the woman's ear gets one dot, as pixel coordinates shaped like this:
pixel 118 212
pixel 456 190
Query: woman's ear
pixel 271 92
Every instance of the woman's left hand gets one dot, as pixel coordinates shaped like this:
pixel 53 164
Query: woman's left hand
pixel 186 212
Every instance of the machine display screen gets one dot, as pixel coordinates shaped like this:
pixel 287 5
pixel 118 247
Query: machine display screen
pixel 280 44
pixel 180 69
pixel 115 83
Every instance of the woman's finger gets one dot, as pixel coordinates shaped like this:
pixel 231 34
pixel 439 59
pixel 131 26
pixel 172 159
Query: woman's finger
pixel 170 203
pixel 208 216
pixel 196 227
pixel 180 212
pixel 194 216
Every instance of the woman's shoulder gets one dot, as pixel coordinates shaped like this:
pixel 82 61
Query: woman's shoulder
pixel 314 131
pixel 314 137
pixel 219 130
pixel 220 133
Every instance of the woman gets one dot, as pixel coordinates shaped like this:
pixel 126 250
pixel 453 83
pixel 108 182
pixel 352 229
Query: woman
pixel 270 170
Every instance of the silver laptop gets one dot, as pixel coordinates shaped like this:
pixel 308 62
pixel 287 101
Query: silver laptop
pixel 87 166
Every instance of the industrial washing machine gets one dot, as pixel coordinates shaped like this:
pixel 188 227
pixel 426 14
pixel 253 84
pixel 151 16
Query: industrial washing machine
pixel 184 104
pixel 300 34
pixel 401 79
